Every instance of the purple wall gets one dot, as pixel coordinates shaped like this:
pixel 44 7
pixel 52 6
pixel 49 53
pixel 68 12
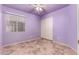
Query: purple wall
pixel 32 28
pixel 73 26
pixel 65 25
pixel 0 24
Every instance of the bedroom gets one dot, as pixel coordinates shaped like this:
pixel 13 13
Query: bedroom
pixel 34 29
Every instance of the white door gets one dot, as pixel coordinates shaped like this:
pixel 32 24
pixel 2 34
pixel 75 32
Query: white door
pixel 47 28
pixel 78 29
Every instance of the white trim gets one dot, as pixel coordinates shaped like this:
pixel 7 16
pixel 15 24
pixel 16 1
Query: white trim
pixel 77 27
pixel 65 45
pixel 13 13
pixel 62 44
pixel 21 42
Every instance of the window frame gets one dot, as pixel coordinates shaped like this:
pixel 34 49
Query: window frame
pixel 22 20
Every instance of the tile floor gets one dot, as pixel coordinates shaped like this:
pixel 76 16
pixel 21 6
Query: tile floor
pixel 38 47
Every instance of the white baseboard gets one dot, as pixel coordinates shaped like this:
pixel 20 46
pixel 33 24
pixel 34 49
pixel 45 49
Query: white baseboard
pixel 21 42
pixel 65 45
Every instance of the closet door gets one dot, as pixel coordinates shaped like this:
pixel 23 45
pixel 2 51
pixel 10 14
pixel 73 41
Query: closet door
pixel 47 28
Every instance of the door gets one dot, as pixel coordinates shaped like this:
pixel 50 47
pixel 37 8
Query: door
pixel 47 28
pixel 78 29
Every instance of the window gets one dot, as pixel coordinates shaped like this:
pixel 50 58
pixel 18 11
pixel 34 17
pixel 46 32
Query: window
pixel 14 23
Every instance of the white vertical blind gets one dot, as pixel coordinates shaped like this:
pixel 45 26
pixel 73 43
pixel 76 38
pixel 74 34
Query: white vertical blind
pixel 14 23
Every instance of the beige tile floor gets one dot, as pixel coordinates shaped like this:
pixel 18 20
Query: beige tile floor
pixel 38 47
